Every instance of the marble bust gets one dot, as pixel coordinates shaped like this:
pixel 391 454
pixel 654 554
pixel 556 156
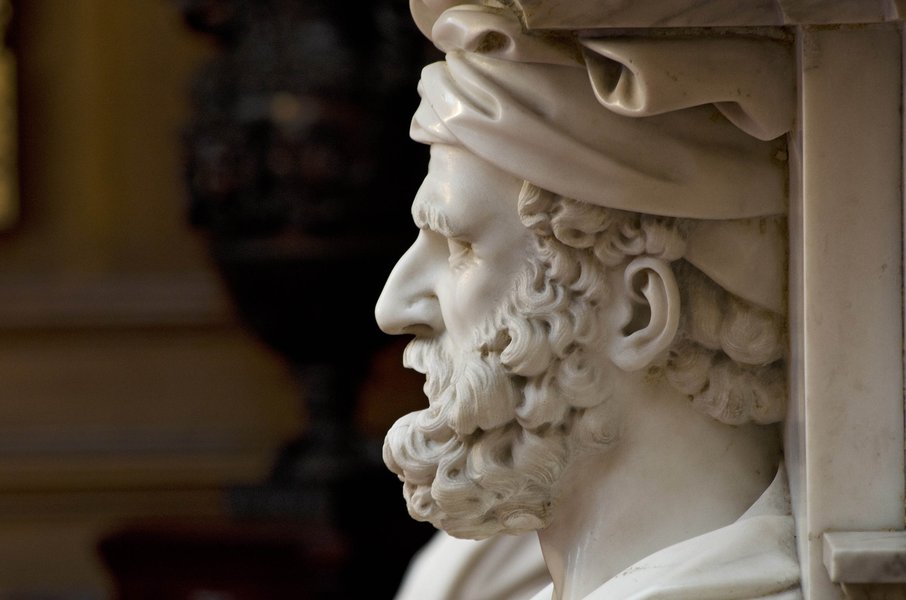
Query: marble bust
pixel 598 303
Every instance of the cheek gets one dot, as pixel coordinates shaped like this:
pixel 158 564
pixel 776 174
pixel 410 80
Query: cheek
pixel 464 306
pixel 473 297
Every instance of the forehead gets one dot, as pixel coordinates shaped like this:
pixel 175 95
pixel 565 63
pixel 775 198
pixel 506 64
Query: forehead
pixel 464 194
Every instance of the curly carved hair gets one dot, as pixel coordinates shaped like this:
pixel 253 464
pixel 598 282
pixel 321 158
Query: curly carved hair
pixel 727 357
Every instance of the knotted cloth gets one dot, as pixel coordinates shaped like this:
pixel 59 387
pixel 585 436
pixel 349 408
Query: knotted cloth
pixel 665 126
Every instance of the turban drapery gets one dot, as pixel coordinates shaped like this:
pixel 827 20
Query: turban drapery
pixel 665 126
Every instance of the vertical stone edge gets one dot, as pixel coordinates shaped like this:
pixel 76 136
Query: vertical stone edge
pixel 844 434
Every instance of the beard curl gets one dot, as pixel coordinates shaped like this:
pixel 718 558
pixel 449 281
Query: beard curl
pixel 486 455
pixel 460 458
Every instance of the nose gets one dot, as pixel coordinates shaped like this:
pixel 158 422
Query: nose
pixel 409 303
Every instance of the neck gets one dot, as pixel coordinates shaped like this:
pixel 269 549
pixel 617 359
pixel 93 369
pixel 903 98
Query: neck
pixel 672 475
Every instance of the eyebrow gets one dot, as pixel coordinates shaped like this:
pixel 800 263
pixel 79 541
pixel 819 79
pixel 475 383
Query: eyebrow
pixel 428 216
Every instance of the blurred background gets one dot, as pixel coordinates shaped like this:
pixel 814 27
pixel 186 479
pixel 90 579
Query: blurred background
pixel 199 200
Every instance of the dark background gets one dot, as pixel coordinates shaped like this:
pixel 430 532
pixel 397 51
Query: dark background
pixel 161 304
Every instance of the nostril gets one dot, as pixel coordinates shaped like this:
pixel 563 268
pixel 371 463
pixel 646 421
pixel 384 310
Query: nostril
pixel 418 330
pixel 416 301
pixel 420 316
pixel 404 322
pixel 422 303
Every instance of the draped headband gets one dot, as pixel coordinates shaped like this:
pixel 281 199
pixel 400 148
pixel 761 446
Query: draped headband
pixel 665 126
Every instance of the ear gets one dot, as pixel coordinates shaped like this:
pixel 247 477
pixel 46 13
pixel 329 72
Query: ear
pixel 650 323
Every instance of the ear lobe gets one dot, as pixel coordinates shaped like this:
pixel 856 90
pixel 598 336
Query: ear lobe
pixel 650 289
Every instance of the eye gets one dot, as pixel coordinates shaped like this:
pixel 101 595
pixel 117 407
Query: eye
pixel 460 253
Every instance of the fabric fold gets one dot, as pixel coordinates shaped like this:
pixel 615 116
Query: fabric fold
pixel 662 126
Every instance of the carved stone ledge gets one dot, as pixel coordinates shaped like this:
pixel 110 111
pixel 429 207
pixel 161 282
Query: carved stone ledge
pixel 871 565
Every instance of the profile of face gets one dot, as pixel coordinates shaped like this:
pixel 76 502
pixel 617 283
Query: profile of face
pixel 545 287
pixel 469 251
pixel 532 313
pixel 504 344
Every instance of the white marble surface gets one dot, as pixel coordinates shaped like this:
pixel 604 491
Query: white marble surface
pixel 504 567
pixel 844 441
pixel 589 14
pixel 583 381
pixel 603 14
pixel 865 556
pixel 844 431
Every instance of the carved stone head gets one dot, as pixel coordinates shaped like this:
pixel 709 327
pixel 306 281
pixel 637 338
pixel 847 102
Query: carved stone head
pixel 602 223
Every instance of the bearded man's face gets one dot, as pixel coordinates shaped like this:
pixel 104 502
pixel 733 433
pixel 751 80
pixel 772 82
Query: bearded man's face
pixel 515 387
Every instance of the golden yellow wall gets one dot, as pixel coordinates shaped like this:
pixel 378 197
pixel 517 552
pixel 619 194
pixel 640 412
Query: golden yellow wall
pixel 102 86
pixel 126 386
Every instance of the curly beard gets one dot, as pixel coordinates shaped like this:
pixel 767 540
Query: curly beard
pixel 500 428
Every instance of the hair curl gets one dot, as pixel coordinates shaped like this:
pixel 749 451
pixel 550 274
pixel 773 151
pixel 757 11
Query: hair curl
pixel 727 357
